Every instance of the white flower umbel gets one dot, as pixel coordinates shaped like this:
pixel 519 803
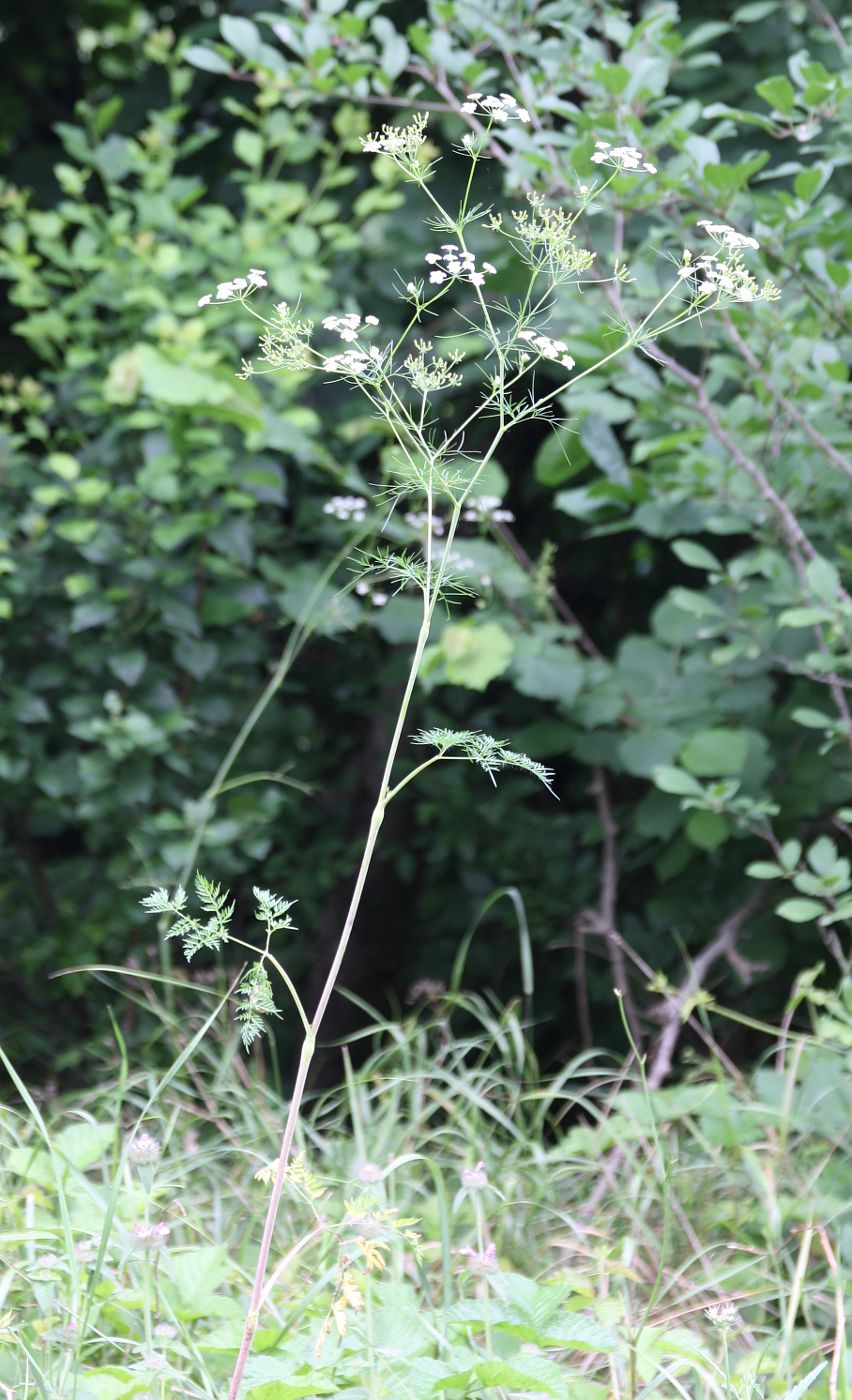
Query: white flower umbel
pixel 237 289
pixel 420 520
pixel 488 508
pixel 621 157
pixel 722 275
pixel 346 508
pixel 355 364
pixel 504 108
pixel 548 349
pixel 348 326
pixel 723 233
pixel 454 263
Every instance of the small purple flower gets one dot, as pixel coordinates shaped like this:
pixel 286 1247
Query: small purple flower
pixel 144 1150
pixel 150 1236
pixel 475 1178
pixel 369 1172
pixel 481 1261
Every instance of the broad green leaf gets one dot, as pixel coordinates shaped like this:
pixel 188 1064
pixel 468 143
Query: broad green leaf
pixel 813 719
pixel 800 911
pixel 707 830
pixel 649 750
pixel 715 752
pixel 474 654
pixel 599 440
pixel 695 555
pixel 778 93
pixel 83 1144
pixel 675 781
pixel 546 669
pixel 242 34
pixel 561 456
pixel 208 60
pixel 823 580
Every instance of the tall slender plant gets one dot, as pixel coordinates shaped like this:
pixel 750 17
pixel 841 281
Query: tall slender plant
pixel 436 472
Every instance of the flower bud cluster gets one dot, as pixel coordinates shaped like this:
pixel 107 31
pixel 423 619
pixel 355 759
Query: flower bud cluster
pixel 403 143
pixel 451 262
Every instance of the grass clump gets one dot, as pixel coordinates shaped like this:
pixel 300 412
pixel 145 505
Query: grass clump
pixel 456 1223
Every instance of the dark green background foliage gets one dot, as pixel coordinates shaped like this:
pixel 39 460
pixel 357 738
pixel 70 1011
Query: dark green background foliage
pixel 666 621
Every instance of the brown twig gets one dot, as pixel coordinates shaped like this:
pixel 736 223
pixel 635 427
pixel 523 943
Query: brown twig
pixel 560 605
pixel 816 437
pixel 724 945
pixel 605 922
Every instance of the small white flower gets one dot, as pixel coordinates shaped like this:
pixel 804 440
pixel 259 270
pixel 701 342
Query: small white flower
pixel 475 1178
pixel 369 1172
pixel 205 300
pixel 346 507
pixel 723 1315
pixel 481 1261
pixel 500 109
pixel 144 1149
pixel 451 262
pixel 150 1236
pixel 621 157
